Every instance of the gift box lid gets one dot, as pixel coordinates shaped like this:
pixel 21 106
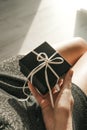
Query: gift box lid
pixel 44 54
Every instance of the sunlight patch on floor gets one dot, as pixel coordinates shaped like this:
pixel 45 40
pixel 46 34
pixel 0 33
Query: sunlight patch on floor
pixel 54 22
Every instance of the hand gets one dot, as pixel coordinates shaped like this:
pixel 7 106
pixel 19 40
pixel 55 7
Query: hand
pixel 59 117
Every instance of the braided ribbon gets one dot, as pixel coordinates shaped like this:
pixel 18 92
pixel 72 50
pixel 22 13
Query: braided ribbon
pixel 46 63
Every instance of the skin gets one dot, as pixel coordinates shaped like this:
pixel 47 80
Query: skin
pixel 75 52
pixel 60 117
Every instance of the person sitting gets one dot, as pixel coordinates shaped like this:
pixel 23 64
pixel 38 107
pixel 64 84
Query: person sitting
pixel 70 104
pixel 73 91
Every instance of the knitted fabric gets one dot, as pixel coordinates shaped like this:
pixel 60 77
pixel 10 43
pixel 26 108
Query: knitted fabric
pixel 14 114
pixel 26 115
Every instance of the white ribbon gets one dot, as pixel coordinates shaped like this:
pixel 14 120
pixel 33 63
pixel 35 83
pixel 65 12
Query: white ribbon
pixel 45 63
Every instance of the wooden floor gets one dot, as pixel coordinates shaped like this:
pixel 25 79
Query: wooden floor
pixel 24 24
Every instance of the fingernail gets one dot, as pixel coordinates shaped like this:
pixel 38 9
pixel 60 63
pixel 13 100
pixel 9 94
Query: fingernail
pixel 71 73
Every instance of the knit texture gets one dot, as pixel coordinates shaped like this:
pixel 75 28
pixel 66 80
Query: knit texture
pixel 14 114
pixel 26 115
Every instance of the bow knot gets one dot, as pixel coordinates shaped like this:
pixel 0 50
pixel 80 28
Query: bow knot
pixel 45 62
pixel 43 57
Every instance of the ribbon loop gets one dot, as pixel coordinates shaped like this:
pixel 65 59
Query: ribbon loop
pixel 42 57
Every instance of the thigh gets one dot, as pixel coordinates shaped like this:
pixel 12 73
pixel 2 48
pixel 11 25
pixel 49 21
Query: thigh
pixel 80 73
pixel 73 50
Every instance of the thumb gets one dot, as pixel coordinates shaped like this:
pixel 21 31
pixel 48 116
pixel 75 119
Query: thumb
pixel 68 79
pixel 64 98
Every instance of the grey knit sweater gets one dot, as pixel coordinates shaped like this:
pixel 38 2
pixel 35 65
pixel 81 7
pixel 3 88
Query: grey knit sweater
pixel 26 115
pixel 14 114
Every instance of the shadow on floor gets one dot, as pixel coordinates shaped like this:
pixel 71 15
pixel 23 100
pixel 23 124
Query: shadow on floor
pixel 16 17
pixel 81 24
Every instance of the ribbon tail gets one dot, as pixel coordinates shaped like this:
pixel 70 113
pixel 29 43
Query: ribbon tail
pixel 53 55
pixel 53 71
pixel 35 71
pixel 57 86
pixel 31 76
pixel 50 92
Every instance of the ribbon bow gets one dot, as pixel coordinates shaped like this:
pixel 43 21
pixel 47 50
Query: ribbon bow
pixel 45 63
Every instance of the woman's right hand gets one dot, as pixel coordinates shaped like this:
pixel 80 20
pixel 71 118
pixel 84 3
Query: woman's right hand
pixel 59 117
pixel 64 105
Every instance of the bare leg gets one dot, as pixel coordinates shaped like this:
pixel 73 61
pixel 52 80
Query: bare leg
pixel 76 54
pixel 80 73
pixel 73 50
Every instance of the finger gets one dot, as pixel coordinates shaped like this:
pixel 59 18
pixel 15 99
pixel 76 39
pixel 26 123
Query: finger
pixel 60 82
pixel 68 80
pixel 55 89
pixel 66 87
pixel 64 98
pixel 57 86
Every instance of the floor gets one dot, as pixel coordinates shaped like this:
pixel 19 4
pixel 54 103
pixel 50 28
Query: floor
pixel 24 24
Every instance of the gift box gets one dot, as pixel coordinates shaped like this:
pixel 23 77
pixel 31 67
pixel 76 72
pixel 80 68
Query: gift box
pixel 43 66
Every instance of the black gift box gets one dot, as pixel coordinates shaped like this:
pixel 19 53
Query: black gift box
pixel 30 62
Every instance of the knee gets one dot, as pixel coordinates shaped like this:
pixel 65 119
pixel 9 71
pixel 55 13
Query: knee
pixel 82 44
